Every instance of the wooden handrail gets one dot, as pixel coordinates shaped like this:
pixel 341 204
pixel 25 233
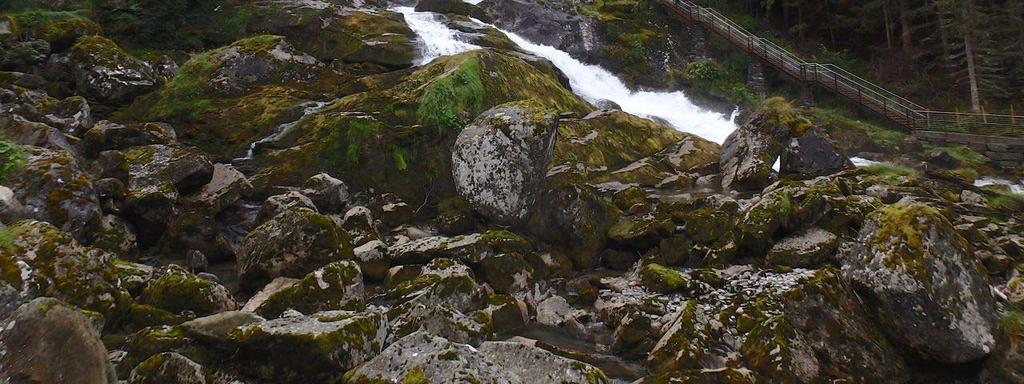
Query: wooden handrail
pixel 894 107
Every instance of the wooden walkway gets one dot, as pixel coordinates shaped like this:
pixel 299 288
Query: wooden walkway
pixel 888 104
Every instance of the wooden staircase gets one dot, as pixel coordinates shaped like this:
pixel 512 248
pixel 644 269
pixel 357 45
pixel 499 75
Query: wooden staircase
pixel 888 104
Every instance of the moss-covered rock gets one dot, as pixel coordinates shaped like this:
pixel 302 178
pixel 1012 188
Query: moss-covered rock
pixel 106 135
pixel 320 347
pixel 292 244
pixel 424 358
pixel 105 73
pixel 157 176
pixel 806 249
pixel 336 286
pixel 749 153
pixel 641 233
pixel 387 138
pixel 60 29
pixel 500 160
pixel 784 327
pixel 176 290
pixel 54 188
pixel 663 280
pixel 471 248
pixel 927 290
pixel 1007 362
pixel 507 273
pixel 166 368
pixel 43 260
pixel 575 218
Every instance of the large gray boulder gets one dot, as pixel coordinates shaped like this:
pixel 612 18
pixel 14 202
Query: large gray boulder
pixel 749 153
pixel 926 288
pixel 47 341
pixel 500 160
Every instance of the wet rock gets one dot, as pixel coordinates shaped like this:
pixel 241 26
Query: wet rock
pixel 422 356
pixel 329 194
pixel 106 73
pixel 178 291
pixel 106 135
pixel 607 105
pixel 749 153
pixel 44 261
pixel 47 341
pixel 54 188
pixel 500 160
pixel 275 205
pixel 19 130
pixel 168 367
pixel 319 347
pixel 808 248
pixel 813 154
pixel 291 244
pixel 336 286
pixel 456 7
pixel 926 289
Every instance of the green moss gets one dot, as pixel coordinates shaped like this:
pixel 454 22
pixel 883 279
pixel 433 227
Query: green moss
pixel 833 120
pixel 662 279
pixel 450 101
pixel 357 134
pixel 782 112
pixel 885 173
pixel 415 376
pixel 901 227
pixel 1006 200
pixel 60 29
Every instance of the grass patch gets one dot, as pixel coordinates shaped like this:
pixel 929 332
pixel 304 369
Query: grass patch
pixel 358 132
pixel 965 155
pixel 834 120
pixel 12 157
pixel 449 102
pixel 1006 200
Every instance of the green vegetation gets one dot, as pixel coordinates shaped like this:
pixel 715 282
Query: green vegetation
pixel 833 120
pixel 12 157
pixel 174 24
pixel 886 173
pixel 449 102
pixel 710 77
pixel 1006 200
pixel 59 28
pixel 358 133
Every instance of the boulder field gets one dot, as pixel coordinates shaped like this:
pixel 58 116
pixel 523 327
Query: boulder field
pixel 291 198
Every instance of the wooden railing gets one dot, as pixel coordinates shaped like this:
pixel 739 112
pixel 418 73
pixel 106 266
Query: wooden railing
pixel 888 104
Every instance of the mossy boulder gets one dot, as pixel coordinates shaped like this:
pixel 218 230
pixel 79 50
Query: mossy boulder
pixel 424 358
pixel 47 341
pixel 166 368
pixel 277 204
pixel 453 7
pixel 641 233
pixel 576 219
pixel 615 139
pixel 291 244
pixel 61 29
pixel 319 347
pixel 441 282
pixel 813 154
pixel 507 273
pixel 1007 362
pixel 105 73
pixel 387 137
pixel 500 160
pixel 710 222
pixel 749 153
pixel 660 279
pixel 42 260
pixel 923 283
pixel 54 188
pixel 336 286
pixel 442 320
pixel 106 135
pixel 178 291
pixel 785 327
pixel 157 176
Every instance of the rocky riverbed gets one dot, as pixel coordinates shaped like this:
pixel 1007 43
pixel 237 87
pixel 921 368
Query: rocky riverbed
pixel 306 199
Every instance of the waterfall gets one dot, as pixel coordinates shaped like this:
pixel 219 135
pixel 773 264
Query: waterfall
pixel 590 82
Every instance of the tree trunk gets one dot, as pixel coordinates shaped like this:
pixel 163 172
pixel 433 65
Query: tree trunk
pixel 905 26
pixel 888 24
pixel 972 74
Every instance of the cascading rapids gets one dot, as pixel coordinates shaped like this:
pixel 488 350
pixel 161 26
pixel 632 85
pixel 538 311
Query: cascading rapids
pixel 590 82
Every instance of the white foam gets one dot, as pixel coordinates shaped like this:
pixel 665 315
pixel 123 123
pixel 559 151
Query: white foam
pixel 1015 187
pixel 435 38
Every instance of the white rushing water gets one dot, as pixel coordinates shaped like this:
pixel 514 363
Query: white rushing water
pixel 590 82
pixel 436 39
pixel 1015 187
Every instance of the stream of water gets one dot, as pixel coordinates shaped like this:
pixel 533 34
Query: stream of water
pixel 590 82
